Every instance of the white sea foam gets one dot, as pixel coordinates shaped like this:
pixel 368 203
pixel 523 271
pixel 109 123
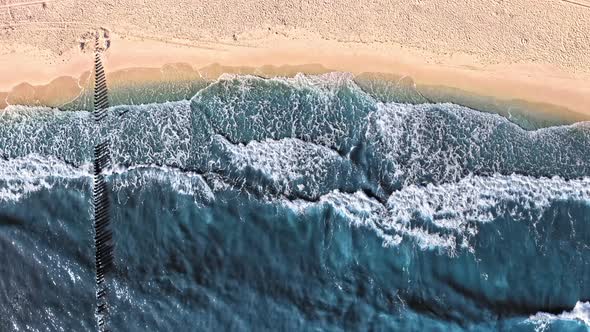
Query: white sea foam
pixel 476 198
pixel 441 143
pixel 325 109
pixel 292 165
pixel 580 313
pixel 361 210
pixel 140 176
pixel 456 209
pixel 324 82
pixel 152 133
pixel 407 146
pixel 22 176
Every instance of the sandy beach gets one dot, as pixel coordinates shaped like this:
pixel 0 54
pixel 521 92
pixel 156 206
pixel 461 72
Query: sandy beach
pixel 513 51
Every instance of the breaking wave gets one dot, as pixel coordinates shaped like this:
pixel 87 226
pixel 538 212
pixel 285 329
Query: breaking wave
pixel 409 209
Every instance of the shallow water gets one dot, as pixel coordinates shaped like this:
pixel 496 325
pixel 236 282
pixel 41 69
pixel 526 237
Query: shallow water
pixel 297 204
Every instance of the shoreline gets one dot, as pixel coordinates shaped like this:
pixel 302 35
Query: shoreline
pixel 30 79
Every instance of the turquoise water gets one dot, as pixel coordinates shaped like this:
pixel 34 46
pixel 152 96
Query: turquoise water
pixel 297 204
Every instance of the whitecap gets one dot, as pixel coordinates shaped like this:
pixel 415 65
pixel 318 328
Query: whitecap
pixel 580 313
pixel 19 177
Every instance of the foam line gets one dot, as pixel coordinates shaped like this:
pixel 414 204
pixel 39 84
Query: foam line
pixel 580 313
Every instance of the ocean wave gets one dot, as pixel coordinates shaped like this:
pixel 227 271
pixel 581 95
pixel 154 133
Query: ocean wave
pixel 138 177
pixel 257 177
pixel 395 144
pixel 580 313
pixel 444 216
pixel 481 199
pixel 447 216
pixel 332 81
pixel 289 167
pixel 445 142
pixel 22 176
pixel 67 136
pixel 150 134
pixel 399 144
pixel 431 170
pixel 327 110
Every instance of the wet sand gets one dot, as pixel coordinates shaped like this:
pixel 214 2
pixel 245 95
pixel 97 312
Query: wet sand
pixel 136 63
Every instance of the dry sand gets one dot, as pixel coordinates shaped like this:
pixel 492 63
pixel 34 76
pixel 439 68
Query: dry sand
pixel 527 50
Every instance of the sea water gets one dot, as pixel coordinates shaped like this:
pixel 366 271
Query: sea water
pixel 300 204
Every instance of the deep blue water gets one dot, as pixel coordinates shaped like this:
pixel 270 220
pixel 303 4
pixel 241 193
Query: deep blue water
pixel 297 205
